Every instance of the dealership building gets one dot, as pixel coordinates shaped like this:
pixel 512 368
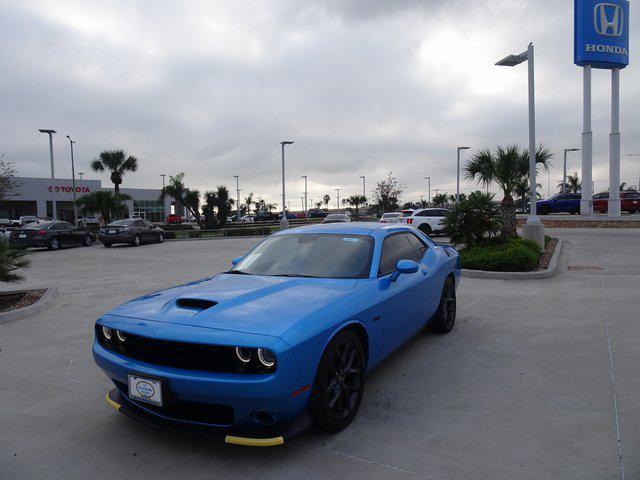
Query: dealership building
pixel 35 196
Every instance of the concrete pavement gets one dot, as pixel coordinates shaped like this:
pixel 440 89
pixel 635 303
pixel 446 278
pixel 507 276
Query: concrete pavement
pixel 522 388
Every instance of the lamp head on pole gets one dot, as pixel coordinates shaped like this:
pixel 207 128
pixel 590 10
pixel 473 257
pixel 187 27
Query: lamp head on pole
pixel 49 131
pixel 571 149
pixel 463 148
pixel 513 60
pixel 285 143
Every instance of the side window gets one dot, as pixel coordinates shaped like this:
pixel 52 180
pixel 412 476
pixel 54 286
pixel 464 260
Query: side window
pixel 395 247
pixel 419 247
pixel 138 223
pixel 61 227
pixel 443 213
pixel 424 213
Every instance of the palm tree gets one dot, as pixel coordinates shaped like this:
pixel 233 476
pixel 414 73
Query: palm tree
pixel 108 204
pixel 505 168
pixel 114 161
pixel 271 206
pixel 248 201
pixel 573 184
pixel 355 201
pixel 190 199
pixel 217 207
pixel 326 200
pixel 440 199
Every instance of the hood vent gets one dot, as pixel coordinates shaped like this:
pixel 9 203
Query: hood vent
pixel 195 303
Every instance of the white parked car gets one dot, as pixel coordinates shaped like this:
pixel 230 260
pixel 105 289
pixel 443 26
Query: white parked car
pixel 247 219
pixel 28 219
pixel 5 233
pixel 391 217
pixel 427 220
pixel 337 218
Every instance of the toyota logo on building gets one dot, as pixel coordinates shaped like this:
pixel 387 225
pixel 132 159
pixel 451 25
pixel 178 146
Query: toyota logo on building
pixel 608 19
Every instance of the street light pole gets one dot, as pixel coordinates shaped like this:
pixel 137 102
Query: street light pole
pixel 429 197
pixel 564 170
pixel 80 174
pixel 53 176
pixel 338 198
pixel 305 193
pixel 163 175
pixel 284 223
pixel 73 184
pixel 237 197
pixel 458 179
pixel 364 185
pixel 533 230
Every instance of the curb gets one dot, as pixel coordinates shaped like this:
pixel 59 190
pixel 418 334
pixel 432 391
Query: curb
pixel 42 304
pixel 552 270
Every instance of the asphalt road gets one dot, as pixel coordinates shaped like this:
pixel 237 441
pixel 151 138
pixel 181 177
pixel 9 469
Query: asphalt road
pixel 522 388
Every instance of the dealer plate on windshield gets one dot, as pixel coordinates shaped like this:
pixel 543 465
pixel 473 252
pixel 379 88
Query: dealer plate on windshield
pixel 145 389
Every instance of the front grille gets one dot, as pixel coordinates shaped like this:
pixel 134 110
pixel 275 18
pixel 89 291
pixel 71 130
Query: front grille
pixel 184 410
pixel 187 356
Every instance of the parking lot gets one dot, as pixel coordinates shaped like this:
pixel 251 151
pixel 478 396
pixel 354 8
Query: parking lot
pixel 538 380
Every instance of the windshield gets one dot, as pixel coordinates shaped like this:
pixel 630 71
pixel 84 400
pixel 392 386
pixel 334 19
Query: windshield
pixel 310 255
pixel 391 215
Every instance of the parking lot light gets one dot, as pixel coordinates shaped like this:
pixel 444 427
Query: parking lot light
pixel 429 197
pixel 53 176
pixel 73 183
pixel 458 177
pixel 284 222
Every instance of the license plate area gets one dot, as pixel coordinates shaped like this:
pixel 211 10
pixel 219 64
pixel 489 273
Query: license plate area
pixel 145 389
pixel 112 231
pixel 22 235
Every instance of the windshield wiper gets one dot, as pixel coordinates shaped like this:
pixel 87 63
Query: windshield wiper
pixel 295 275
pixel 238 272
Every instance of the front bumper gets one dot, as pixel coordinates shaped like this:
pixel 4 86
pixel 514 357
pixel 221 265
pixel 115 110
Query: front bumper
pixel 263 437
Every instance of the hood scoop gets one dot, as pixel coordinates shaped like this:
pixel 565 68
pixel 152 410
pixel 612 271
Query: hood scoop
pixel 195 303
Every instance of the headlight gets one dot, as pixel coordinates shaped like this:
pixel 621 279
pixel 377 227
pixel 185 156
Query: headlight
pixel 121 336
pixel 107 332
pixel 243 354
pixel 266 357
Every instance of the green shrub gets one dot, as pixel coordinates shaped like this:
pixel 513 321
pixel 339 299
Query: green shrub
pixel 474 221
pixel 511 256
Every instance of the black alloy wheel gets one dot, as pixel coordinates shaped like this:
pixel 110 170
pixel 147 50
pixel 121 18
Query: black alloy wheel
pixel 87 241
pixel 54 244
pixel 136 240
pixel 446 315
pixel 339 383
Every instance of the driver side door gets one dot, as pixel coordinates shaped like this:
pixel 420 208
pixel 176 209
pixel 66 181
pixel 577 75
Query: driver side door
pixel 404 305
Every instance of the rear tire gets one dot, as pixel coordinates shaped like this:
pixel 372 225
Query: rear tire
pixel 161 238
pixel 54 244
pixel 445 317
pixel 136 241
pixel 87 241
pixel 339 383
pixel 426 229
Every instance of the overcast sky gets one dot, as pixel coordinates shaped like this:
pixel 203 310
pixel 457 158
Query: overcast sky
pixel 364 87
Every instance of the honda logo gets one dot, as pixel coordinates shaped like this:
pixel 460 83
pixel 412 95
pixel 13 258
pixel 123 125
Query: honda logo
pixel 608 19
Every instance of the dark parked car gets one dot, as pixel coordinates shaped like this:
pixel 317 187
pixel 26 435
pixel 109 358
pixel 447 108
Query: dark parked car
pixel 265 217
pixel 629 202
pixel 337 218
pixel 134 231
pixel 317 213
pixel 560 203
pixel 51 234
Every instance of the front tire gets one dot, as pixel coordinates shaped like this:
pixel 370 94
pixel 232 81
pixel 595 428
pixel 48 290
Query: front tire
pixel 136 241
pixel 87 241
pixel 54 244
pixel 445 317
pixel 339 384
pixel 426 229
pixel 161 238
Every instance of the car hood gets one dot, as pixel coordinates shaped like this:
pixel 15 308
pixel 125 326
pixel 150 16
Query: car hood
pixel 243 303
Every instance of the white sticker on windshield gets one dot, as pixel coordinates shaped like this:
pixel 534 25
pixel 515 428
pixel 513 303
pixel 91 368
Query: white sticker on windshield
pixel 250 259
pixel 350 239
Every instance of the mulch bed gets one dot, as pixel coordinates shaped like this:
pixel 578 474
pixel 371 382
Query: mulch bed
pixel 15 300
pixel 545 258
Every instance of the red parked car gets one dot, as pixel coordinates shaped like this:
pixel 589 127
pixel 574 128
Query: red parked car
pixel 630 202
pixel 174 218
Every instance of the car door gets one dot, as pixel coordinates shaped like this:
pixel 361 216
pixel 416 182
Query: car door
pixel 150 231
pixel 403 308
pixel 62 231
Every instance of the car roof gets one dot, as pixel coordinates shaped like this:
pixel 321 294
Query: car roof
pixel 349 228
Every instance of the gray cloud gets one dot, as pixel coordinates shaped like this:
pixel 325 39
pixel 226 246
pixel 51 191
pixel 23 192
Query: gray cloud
pixel 363 87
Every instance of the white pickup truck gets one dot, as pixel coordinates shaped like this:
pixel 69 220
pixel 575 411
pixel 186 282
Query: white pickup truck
pixel 427 220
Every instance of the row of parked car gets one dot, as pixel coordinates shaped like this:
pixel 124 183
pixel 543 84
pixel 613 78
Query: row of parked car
pixel 55 234
pixel 427 220
pixel 570 203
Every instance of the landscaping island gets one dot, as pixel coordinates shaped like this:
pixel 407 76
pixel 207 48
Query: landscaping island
pixel 20 299
pixel 516 255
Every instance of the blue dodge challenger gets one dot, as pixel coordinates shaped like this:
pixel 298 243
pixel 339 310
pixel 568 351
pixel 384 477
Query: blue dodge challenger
pixel 283 339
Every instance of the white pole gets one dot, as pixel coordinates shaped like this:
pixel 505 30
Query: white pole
pixel 458 180
pixel 533 217
pixel 564 173
pixel 614 146
pixel 53 178
pixel 284 223
pixel 305 194
pixel 73 183
pixel 586 203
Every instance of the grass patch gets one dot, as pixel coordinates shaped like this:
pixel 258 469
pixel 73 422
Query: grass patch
pixel 516 255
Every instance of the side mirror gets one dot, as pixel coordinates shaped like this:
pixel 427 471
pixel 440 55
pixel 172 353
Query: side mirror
pixel 405 267
pixel 236 261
